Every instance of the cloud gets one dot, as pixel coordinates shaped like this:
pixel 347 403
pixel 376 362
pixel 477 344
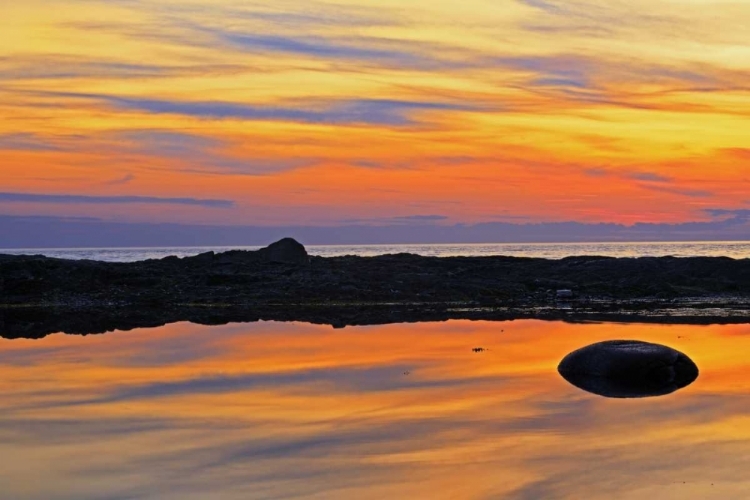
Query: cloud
pixel 26 142
pixel 400 220
pixel 286 32
pixel 83 199
pixel 324 16
pixel 57 232
pixel 60 67
pixel 542 5
pixel 64 67
pixel 127 178
pixel 738 216
pixel 196 153
pixel 201 153
pixel 421 218
pixel 558 82
pixel 367 163
pixel 52 219
pixel 692 193
pixel 597 172
pixel 332 112
pixel 664 184
pixel 649 176
pixel 558 70
pixel 166 142
pixel 316 46
pixel 651 181
pixel 398 54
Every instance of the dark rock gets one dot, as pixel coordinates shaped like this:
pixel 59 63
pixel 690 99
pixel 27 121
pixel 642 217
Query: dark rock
pixel 286 251
pixel 628 369
pixel 606 289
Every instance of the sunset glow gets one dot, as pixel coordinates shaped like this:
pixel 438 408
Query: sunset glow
pixel 292 112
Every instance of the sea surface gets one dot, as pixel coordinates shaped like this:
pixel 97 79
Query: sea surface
pixel 275 411
pixel 733 249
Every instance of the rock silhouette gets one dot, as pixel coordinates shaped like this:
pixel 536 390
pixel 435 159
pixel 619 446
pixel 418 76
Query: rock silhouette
pixel 41 295
pixel 286 251
pixel 628 369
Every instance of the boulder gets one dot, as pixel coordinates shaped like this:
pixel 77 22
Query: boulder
pixel 628 369
pixel 286 251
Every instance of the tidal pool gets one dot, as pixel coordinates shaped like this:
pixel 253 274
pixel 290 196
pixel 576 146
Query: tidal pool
pixel 273 410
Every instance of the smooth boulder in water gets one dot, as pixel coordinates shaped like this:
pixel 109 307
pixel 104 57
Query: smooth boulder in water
pixel 628 369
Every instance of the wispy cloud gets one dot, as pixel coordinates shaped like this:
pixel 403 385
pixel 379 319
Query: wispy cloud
pixel 33 67
pixel 319 47
pixel 200 153
pixel 52 232
pixel 165 144
pixel 26 142
pixel 541 5
pixel 194 152
pixel 393 112
pixel 400 220
pixel 125 179
pixel 530 104
pixel 651 181
pixel 649 177
pixel 421 218
pixel 738 215
pixel 681 191
pixel 72 199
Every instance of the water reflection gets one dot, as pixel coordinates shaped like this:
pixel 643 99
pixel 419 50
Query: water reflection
pixel 269 410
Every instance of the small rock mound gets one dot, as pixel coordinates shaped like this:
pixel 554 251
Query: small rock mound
pixel 628 369
pixel 286 251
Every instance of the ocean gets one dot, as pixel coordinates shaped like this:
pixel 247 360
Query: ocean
pixel 733 249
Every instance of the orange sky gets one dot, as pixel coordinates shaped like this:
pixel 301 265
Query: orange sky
pixel 292 112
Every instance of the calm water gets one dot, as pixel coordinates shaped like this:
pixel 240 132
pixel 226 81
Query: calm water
pixel 270 410
pixel 734 249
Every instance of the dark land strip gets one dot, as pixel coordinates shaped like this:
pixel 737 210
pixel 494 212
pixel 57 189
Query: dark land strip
pixel 40 295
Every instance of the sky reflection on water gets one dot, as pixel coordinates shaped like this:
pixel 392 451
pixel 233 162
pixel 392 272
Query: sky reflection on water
pixel 271 410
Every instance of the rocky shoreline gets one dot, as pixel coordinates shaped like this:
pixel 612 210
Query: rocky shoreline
pixel 40 295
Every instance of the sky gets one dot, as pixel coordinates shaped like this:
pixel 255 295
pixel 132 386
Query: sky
pixel 376 112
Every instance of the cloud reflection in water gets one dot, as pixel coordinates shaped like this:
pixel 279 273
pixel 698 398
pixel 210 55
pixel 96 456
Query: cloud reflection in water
pixel 271 410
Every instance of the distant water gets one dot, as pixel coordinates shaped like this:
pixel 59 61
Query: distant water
pixel 734 249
